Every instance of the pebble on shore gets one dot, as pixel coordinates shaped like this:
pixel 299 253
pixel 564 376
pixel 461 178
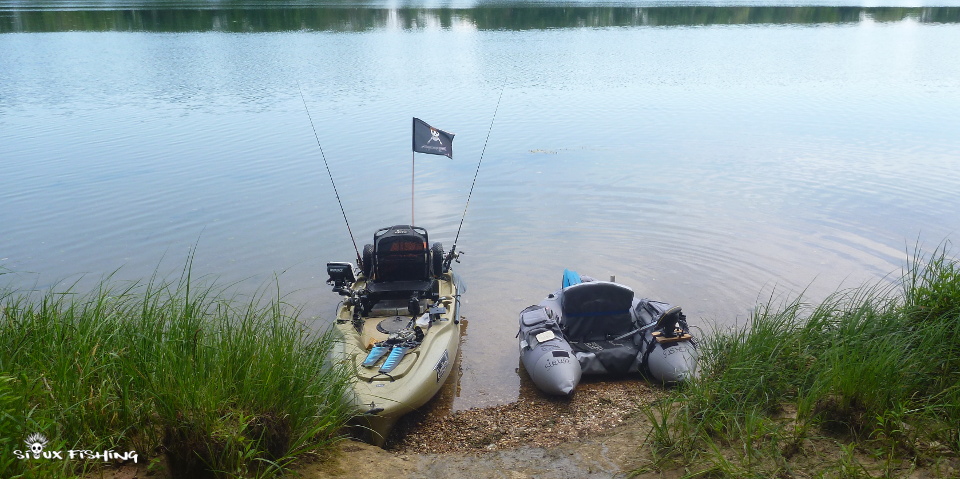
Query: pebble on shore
pixel 535 419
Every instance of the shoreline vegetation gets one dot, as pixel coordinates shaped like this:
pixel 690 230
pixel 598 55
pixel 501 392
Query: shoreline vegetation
pixel 204 17
pixel 198 381
pixel 201 382
pixel 874 369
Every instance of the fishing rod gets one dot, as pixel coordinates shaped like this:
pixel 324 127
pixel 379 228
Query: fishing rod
pixel 344 213
pixel 451 256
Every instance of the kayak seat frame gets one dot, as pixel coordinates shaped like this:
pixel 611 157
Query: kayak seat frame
pixel 401 253
pixel 386 288
pixel 402 267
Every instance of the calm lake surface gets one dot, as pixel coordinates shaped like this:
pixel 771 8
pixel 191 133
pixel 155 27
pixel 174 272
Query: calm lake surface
pixel 707 154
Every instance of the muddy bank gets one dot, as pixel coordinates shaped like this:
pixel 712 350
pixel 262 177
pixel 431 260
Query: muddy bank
pixel 593 458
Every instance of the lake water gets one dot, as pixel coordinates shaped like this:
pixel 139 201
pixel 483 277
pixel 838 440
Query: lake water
pixel 707 154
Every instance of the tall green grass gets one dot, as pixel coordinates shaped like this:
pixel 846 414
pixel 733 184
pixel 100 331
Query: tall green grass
pixel 877 366
pixel 183 372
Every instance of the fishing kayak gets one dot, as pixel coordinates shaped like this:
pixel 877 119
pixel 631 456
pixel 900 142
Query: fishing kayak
pixel 398 326
pixel 609 331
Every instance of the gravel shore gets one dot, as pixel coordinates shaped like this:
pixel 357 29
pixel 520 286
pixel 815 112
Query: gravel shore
pixel 535 419
pixel 596 433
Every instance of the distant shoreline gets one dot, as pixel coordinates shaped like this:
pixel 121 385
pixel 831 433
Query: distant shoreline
pixel 329 18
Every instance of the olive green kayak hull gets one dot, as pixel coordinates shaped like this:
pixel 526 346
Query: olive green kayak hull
pixel 382 398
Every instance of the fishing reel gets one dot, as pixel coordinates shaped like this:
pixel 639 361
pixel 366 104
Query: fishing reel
pixel 452 256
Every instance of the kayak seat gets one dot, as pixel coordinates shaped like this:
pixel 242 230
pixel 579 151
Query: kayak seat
pixel 400 267
pixel 425 286
pixel 401 259
pixel 400 253
pixel 596 311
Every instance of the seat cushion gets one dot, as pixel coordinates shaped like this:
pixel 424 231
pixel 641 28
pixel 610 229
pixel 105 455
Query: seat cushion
pixel 402 258
pixel 596 311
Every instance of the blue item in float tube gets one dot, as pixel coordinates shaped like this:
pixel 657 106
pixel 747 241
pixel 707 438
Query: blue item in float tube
pixel 570 278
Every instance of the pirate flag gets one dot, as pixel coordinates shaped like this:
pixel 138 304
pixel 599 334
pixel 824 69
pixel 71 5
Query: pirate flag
pixel 427 139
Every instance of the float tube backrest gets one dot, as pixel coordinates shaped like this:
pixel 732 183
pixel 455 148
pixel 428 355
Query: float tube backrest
pixel 596 311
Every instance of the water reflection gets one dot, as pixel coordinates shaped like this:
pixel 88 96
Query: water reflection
pixel 241 19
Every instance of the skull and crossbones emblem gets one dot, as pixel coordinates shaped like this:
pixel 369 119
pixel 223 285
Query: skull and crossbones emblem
pixel 434 136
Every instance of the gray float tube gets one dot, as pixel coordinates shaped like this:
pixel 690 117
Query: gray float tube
pixel 673 360
pixel 546 355
pixel 673 363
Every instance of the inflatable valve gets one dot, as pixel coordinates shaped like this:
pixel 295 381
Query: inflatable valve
pixel 375 354
pixel 394 358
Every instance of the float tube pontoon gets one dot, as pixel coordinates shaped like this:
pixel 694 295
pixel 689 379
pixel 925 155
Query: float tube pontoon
pixel 608 331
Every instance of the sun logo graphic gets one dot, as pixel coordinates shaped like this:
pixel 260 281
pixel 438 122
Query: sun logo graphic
pixel 36 442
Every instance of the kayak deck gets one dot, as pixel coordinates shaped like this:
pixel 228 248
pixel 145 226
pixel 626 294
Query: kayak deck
pixel 381 398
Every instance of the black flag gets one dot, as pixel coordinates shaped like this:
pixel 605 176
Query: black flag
pixel 427 139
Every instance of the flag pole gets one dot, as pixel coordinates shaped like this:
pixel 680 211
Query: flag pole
pixel 413 163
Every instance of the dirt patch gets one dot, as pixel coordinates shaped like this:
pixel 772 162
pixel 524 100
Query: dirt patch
pixel 596 433
pixel 533 420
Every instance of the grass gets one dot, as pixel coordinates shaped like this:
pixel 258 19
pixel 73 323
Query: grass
pixel 873 371
pixel 865 383
pixel 216 384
